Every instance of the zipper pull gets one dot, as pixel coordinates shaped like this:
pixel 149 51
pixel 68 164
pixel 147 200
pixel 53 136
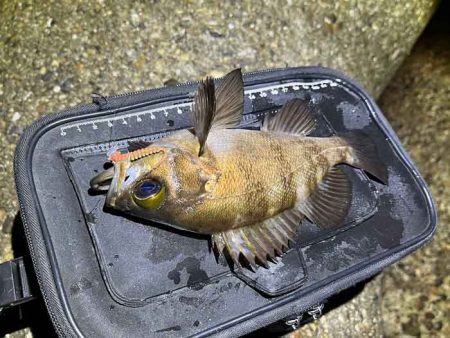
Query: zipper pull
pixel 99 100
pixel 316 311
pixel 294 322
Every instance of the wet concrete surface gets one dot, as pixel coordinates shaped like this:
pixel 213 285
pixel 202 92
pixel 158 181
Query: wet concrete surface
pixel 55 54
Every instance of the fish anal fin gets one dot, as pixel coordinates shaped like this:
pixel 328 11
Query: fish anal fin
pixel 260 242
pixel 329 203
pixel 295 117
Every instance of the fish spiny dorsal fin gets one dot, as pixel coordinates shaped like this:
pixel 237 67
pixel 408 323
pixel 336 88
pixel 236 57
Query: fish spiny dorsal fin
pixel 203 111
pixel 329 203
pixel 260 242
pixel 229 101
pixel 295 117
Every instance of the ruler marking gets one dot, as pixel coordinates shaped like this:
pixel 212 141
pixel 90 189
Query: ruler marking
pixel 251 94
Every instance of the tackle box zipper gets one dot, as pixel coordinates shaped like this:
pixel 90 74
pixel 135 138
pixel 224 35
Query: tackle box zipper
pixel 187 83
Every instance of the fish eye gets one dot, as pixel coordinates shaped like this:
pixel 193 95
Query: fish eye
pixel 149 194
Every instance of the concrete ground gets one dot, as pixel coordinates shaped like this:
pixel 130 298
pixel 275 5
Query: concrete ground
pixel 54 54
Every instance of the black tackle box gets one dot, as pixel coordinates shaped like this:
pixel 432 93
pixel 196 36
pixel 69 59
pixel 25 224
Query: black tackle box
pixel 104 275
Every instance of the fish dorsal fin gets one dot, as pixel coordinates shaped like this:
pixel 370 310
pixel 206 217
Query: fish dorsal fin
pixel 218 109
pixel 203 111
pixel 329 203
pixel 229 101
pixel 259 242
pixel 137 145
pixel 295 117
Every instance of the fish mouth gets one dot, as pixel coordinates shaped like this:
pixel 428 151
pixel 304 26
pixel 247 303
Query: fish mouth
pixel 109 181
pixel 113 180
pixel 102 181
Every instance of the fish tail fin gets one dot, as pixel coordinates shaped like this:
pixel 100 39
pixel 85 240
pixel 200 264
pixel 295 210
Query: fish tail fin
pixel 364 154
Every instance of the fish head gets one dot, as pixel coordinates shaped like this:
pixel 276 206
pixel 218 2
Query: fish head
pixel 160 185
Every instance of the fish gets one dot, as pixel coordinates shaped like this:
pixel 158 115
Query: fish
pixel 248 189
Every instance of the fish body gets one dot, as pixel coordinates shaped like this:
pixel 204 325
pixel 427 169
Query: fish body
pixel 245 176
pixel 249 189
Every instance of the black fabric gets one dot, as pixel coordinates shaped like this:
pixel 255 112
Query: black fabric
pixel 106 275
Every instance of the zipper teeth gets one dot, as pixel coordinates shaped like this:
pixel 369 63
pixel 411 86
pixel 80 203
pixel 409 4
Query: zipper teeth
pixel 52 315
pixel 187 83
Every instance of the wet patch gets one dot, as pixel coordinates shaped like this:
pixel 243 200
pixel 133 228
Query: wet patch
pixel 197 277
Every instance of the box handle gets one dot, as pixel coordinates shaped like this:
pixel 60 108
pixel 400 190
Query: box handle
pixel 14 284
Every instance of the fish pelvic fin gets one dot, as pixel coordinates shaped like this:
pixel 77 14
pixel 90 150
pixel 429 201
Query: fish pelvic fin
pixel 295 117
pixel 256 244
pixel 364 155
pixel 329 203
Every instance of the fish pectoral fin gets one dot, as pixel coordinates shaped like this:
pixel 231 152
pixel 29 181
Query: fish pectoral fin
pixel 229 101
pixel 296 117
pixel 329 203
pixel 259 242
